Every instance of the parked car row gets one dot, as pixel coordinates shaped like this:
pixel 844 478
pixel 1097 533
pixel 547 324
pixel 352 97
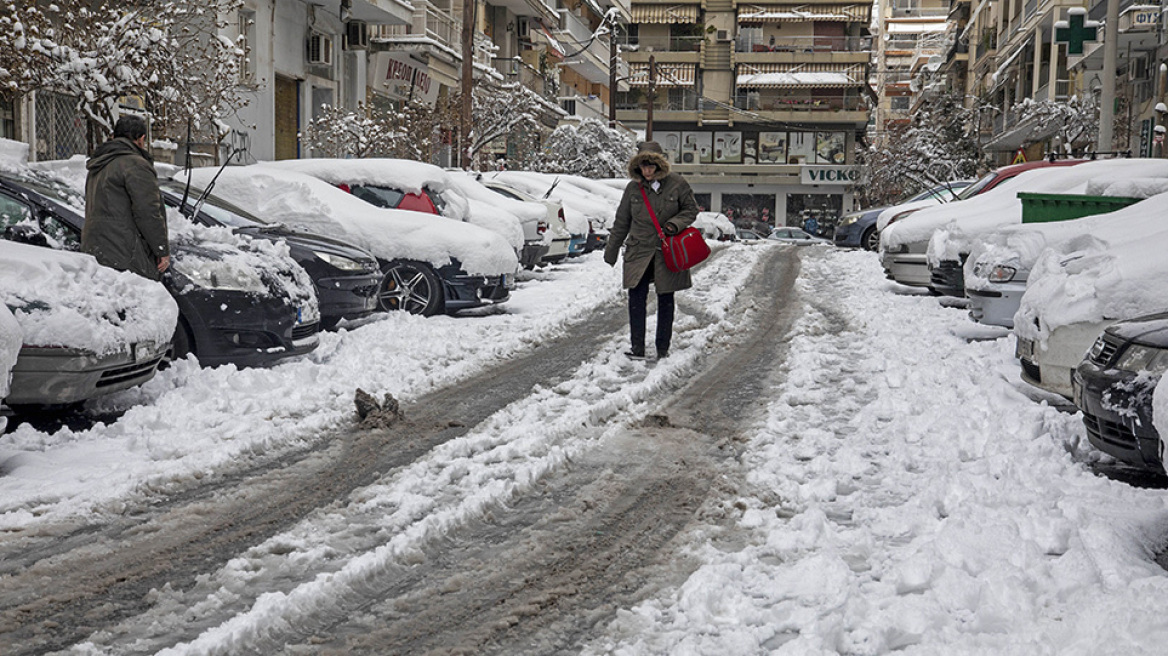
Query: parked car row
pixel 1071 260
pixel 253 278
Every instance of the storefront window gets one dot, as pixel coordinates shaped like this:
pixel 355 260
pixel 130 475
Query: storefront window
pixel 747 210
pixel 815 213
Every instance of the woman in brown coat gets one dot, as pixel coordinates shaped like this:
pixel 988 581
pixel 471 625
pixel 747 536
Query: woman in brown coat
pixel 673 202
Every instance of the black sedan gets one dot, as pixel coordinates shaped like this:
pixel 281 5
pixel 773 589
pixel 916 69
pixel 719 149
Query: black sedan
pixel 1114 384
pixel 248 313
pixel 345 277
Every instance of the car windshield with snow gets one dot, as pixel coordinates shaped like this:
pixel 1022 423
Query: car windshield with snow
pixel 345 278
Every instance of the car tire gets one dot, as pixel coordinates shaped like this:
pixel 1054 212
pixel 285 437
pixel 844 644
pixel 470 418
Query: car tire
pixel 411 286
pixel 870 240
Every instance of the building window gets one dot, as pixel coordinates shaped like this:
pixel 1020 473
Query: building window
pixel 900 103
pixel 247 34
pixel 7 119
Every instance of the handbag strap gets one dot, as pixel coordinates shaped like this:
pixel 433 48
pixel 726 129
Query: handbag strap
pixel 652 214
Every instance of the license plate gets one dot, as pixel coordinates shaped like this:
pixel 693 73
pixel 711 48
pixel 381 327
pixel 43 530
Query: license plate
pixel 1024 349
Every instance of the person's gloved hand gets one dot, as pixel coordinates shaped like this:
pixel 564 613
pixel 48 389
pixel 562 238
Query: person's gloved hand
pixel 669 229
pixel 610 257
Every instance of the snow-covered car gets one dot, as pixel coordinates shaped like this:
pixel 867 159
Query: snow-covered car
pixel 432 264
pixel 716 226
pixel 589 205
pixel 241 301
pixel 557 235
pixel 1114 384
pixel 82 330
pixel 533 216
pixel 858 229
pixel 744 234
pixel 345 278
pixel 951 243
pixel 1074 295
pixel 409 185
pixel 904 237
pixel 999 263
pixel 797 236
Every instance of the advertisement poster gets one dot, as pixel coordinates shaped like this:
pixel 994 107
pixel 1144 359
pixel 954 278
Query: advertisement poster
pixel 772 148
pixel 671 143
pixel 700 145
pixel 750 151
pixel 830 148
pixel 801 149
pixel 728 147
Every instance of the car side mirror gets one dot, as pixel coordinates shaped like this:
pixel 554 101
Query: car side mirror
pixel 26 234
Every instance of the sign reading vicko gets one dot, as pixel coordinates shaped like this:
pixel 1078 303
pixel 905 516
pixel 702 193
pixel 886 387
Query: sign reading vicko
pixel 830 175
pixel 402 77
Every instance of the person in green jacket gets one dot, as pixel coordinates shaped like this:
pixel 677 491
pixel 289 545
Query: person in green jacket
pixel 125 224
pixel 675 207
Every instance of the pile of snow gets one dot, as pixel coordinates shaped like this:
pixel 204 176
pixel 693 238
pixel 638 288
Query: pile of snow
pixel 13 154
pixel 66 299
pixel 949 227
pixel 588 204
pixel 1098 282
pixel 258 266
pixel 413 177
pixel 10 341
pixel 483 201
pixel 714 225
pixel 1019 246
pixel 313 205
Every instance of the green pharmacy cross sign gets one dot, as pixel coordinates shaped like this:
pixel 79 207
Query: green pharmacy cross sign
pixel 1076 30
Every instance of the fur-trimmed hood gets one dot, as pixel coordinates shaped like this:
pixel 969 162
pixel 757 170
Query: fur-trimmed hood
pixel 649 151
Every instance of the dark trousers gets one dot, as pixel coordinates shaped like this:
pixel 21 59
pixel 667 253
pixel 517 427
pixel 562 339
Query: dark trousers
pixel 638 299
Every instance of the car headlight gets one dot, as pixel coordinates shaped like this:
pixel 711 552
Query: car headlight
pixel 1143 358
pixel 221 275
pixel 339 261
pixel 849 220
pixel 999 273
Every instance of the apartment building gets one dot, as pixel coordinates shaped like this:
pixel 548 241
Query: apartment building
pixel 758 104
pixel 910 50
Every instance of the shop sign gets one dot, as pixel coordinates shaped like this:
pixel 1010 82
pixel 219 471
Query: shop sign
pixel 1140 19
pixel 401 77
pixel 830 175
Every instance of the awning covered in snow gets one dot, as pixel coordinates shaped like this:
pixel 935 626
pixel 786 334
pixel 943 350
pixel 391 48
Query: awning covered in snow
pixel 668 75
pixel 775 13
pixel 681 13
pixel 786 76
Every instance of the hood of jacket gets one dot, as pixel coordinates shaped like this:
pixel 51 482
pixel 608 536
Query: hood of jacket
pixel 113 149
pixel 659 159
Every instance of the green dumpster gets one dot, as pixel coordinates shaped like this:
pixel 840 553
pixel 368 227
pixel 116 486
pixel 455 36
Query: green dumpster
pixel 1043 208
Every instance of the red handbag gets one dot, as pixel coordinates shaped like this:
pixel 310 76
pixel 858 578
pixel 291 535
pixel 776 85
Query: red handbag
pixel 683 250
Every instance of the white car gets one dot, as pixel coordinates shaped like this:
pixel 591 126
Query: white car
pixel 1072 295
pixel 951 243
pixel 999 263
pixel 82 329
pixel 432 264
pixel 589 205
pixel 555 227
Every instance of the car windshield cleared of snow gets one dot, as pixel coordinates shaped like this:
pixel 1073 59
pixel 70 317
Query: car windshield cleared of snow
pixel 218 209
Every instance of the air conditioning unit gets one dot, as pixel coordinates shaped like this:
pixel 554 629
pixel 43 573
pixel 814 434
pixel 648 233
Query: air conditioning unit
pixel 320 50
pixel 723 35
pixel 356 35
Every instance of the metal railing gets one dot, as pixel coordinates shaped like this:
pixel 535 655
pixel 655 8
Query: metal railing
pixel 748 43
pixel 780 100
pixel 661 43
pixel 669 100
pixel 60 128
pixel 429 22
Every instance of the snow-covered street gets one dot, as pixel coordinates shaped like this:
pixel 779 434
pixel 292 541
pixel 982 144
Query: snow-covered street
pixel 891 485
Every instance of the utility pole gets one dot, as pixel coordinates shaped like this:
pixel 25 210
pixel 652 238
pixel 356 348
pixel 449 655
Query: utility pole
pixel 612 61
pixel 652 97
pixel 1107 92
pixel 465 121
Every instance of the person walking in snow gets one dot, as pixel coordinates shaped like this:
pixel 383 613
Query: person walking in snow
pixel 125 224
pixel 673 202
